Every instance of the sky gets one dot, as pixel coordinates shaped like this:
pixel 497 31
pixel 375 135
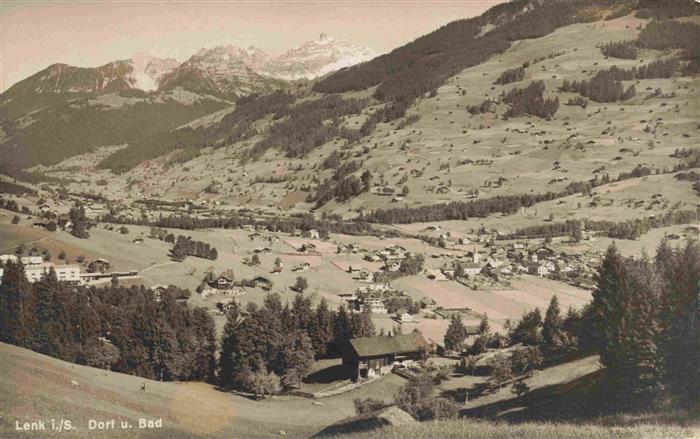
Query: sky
pixel 36 34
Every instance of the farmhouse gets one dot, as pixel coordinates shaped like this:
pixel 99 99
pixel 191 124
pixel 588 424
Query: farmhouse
pixel 307 248
pixel 371 356
pixel 538 269
pixel 99 264
pixel 302 267
pixel 375 305
pixel 263 282
pixel 223 282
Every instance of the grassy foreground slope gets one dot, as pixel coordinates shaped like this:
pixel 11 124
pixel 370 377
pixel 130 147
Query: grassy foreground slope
pixel 477 429
pixel 35 387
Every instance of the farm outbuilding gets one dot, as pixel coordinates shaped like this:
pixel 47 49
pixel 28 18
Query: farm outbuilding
pixel 371 356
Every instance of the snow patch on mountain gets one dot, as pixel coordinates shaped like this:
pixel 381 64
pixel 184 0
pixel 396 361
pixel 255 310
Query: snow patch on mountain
pixel 147 70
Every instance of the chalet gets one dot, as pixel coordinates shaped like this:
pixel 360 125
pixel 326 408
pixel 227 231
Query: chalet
pixel 384 190
pixel 98 265
pixel 366 276
pixel 45 224
pixel 158 291
pixel 262 250
pixel 302 267
pixel 371 356
pixel 276 270
pixel 404 317
pixel 222 282
pixel 313 234
pixel 263 282
pixel 138 241
pixel 538 268
pixel 375 305
pixel 307 248
pixel 392 265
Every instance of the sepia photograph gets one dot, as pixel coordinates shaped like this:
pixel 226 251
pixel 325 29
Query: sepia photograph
pixel 350 219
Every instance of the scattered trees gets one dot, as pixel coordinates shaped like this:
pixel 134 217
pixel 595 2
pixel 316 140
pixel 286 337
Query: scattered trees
pixel 185 246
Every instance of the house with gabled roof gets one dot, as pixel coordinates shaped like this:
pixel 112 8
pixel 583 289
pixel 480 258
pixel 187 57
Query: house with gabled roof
pixel 372 356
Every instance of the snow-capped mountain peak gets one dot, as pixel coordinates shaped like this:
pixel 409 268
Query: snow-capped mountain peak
pixel 317 58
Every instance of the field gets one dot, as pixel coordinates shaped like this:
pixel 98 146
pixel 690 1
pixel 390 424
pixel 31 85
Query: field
pixel 327 276
pixel 36 387
pixel 471 429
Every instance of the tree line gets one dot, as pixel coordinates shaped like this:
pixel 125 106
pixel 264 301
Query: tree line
pixel 629 229
pixel 272 346
pixel 113 327
pixel 506 204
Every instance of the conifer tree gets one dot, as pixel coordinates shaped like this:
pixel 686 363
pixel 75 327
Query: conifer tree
pixel 606 311
pixel 552 326
pixel 456 333
pixel 679 344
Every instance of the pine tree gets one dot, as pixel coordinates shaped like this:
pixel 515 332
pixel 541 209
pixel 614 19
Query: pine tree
pixel 631 354
pixel 17 306
pixel 679 344
pixel 552 326
pixel 605 311
pixel 456 333
pixel 321 329
pixel 229 362
pixel 484 328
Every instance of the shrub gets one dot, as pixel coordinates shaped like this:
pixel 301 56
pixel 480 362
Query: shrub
pixel 437 408
pixel 367 405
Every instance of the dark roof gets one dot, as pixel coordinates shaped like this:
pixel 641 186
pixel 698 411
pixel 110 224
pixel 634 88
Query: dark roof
pixel 372 346
pixel 472 329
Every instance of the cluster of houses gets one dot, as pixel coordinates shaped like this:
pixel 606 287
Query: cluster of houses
pixel 519 258
pixel 391 255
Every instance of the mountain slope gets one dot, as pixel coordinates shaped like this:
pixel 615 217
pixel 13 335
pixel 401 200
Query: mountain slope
pixel 221 71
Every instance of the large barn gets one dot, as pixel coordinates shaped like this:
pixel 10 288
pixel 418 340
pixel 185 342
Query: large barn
pixel 370 356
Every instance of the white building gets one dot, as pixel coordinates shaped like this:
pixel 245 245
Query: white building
pixel 32 260
pixel 5 258
pixel 64 273
pixel 375 305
